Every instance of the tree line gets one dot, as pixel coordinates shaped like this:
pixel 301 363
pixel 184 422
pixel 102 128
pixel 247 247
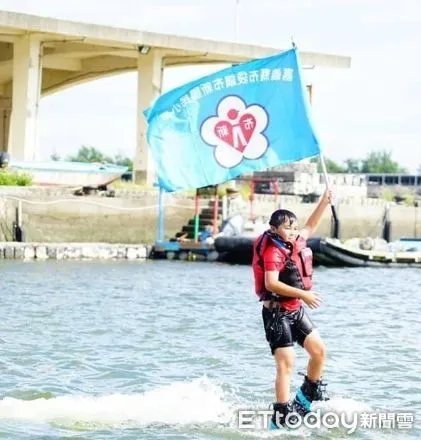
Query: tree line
pixel 93 155
pixel 374 162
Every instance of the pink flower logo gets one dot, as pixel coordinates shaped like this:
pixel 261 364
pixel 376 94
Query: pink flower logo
pixel 236 131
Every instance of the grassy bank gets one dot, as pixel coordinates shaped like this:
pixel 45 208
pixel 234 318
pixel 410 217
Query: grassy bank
pixel 12 178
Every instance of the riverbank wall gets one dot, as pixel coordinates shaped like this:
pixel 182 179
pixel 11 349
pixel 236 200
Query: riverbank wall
pixel 50 215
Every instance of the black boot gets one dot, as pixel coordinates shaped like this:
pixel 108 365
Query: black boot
pixel 309 392
pixel 280 413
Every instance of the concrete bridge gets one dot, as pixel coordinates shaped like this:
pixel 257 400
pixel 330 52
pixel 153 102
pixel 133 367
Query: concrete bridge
pixel 40 56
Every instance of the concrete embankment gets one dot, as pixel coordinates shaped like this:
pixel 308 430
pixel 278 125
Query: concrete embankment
pixel 73 251
pixel 51 215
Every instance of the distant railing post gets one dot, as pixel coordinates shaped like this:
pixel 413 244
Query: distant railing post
pixel 387 224
pixel 18 235
pixel 161 216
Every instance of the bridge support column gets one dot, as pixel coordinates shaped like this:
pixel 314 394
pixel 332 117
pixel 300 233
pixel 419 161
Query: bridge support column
pixel 27 74
pixel 5 112
pixel 149 86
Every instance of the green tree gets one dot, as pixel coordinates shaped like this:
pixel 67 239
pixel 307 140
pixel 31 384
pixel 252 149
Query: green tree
pixel 55 157
pixel 91 154
pixel 352 165
pixel 88 154
pixel 123 161
pixel 331 165
pixel 380 162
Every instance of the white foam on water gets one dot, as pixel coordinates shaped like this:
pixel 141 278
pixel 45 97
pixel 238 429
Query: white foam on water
pixel 199 403
pixel 180 403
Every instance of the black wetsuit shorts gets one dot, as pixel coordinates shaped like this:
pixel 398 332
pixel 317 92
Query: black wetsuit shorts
pixel 283 327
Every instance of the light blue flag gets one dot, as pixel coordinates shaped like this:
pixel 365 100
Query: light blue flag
pixel 246 118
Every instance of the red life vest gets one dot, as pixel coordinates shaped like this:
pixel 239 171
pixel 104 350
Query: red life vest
pixel 297 271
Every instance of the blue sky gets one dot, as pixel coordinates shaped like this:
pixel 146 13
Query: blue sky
pixel 374 105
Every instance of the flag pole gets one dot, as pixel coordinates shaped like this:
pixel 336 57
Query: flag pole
pixel 196 215
pixel 324 169
pixel 332 205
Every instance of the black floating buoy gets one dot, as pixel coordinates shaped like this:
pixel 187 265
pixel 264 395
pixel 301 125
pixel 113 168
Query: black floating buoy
pixel 4 159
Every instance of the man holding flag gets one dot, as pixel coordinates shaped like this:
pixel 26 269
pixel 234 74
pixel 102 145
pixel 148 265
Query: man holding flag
pixel 247 118
pixel 282 268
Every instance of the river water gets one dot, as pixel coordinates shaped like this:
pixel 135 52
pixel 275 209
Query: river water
pixel 173 350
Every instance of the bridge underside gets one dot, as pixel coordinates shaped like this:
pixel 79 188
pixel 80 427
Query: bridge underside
pixel 40 56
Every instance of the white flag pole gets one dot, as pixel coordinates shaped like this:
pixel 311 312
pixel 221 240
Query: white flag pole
pixel 326 177
pixel 332 205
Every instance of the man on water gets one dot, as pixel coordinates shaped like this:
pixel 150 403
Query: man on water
pixel 282 267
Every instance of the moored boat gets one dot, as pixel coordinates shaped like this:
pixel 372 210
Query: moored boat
pixel 73 174
pixel 356 253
